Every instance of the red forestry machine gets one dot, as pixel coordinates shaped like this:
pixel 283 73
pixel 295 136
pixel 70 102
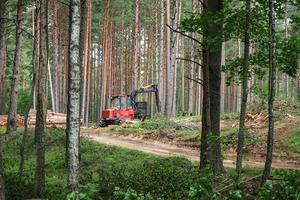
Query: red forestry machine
pixel 125 107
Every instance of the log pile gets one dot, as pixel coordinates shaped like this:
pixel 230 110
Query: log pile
pixel 53 119
pixel 3 121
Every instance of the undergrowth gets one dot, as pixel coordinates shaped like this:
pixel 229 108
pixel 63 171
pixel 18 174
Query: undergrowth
pixel 292 142
pixel 108 172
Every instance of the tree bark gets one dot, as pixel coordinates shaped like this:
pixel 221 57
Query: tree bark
pixel 2 53
pixel 162 57
pixel 215 55
pixel 169 83
pixel 272 75
pixel 2 183
pixel 206 121
pixel 242 128
pixel 11 120
pixel 34 65
pixel 136 43
pixel 56 63
pixel 191 70
pixel 41 113
pixel 73 109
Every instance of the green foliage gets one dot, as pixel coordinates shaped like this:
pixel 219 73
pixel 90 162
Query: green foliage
pixel 73 196
pixel 230 116
pixel 159 122
pixel 231 138
pixel 293 142
pixel 130 195
pixel 203 189
pixel 288 188
pixel 102 169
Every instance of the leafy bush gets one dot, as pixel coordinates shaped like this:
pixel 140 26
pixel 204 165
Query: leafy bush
pixel 230 116
pixel 130 195
pixel 82 196
pixel 288 187
pixel 293 142
pixel 231 138
pixel 159 122
pixel 203 189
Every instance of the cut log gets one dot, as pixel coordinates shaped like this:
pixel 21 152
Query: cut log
pixel 53 119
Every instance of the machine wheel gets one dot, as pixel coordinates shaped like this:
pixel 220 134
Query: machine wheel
pixel 102 123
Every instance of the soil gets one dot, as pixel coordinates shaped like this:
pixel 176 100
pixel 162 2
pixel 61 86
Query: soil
pixel 165 149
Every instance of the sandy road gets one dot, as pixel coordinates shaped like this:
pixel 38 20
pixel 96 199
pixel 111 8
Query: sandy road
pixel 162 149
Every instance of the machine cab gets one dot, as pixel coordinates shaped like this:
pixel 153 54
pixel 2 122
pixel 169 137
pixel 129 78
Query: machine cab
pixel 120 102
pixel 120 109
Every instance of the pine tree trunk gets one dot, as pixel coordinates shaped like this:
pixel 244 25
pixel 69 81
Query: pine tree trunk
pixel 34 65
pixel 41 113
pixel 11 120
pixel 191 70
pixel 215 56
pixel 206 121
pixel 2 81
pixel 242 128
pixel 136 43
pixel 56 63
pixel 298 85
pixel 73 108
pixel 171 71
pixel 162 57
pixel 272 79
pixel 168 83
pixel 2 183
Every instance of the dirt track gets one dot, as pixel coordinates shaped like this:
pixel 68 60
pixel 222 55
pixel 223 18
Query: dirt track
pixel 163 149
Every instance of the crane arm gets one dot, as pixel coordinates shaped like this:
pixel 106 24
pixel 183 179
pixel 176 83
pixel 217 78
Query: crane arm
pixel 146 89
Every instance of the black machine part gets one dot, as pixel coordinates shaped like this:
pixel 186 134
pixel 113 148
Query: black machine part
pixel 142 90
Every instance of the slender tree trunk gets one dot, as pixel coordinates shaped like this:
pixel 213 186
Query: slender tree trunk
pixel 2 53
pixel 2 183
pixel 34 64
pixel 169 83
pixel 215 56
pixel 162 58
pixel 206 121
pixel 272 75
pixel 191 70
pixel 56 63
pixel 11 120
pixel 298 85
pixel 244 92
pixel 2 82
pixel 51 87
pixel 223 79
pixel 136 42
pixel 3 13
pixel 286 34
pixel 73 109
pixel 173 63
pixel 41 101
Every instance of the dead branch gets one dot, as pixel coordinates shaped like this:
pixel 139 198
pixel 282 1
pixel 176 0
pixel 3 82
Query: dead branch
pixel 184 34
pixel 189 60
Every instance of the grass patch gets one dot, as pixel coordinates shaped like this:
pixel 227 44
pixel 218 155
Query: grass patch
pixel 230 116
pixel 292 142
pixel 103 169
pixel 2 131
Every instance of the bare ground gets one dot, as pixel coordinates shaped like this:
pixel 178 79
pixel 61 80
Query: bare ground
pixel 166 150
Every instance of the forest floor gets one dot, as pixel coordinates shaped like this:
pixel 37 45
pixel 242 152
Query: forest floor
pixel 165 149
pixel 181 137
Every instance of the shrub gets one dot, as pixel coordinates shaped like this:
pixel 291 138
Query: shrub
pixel 288 187
pixel 159 122
pixel 130 195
